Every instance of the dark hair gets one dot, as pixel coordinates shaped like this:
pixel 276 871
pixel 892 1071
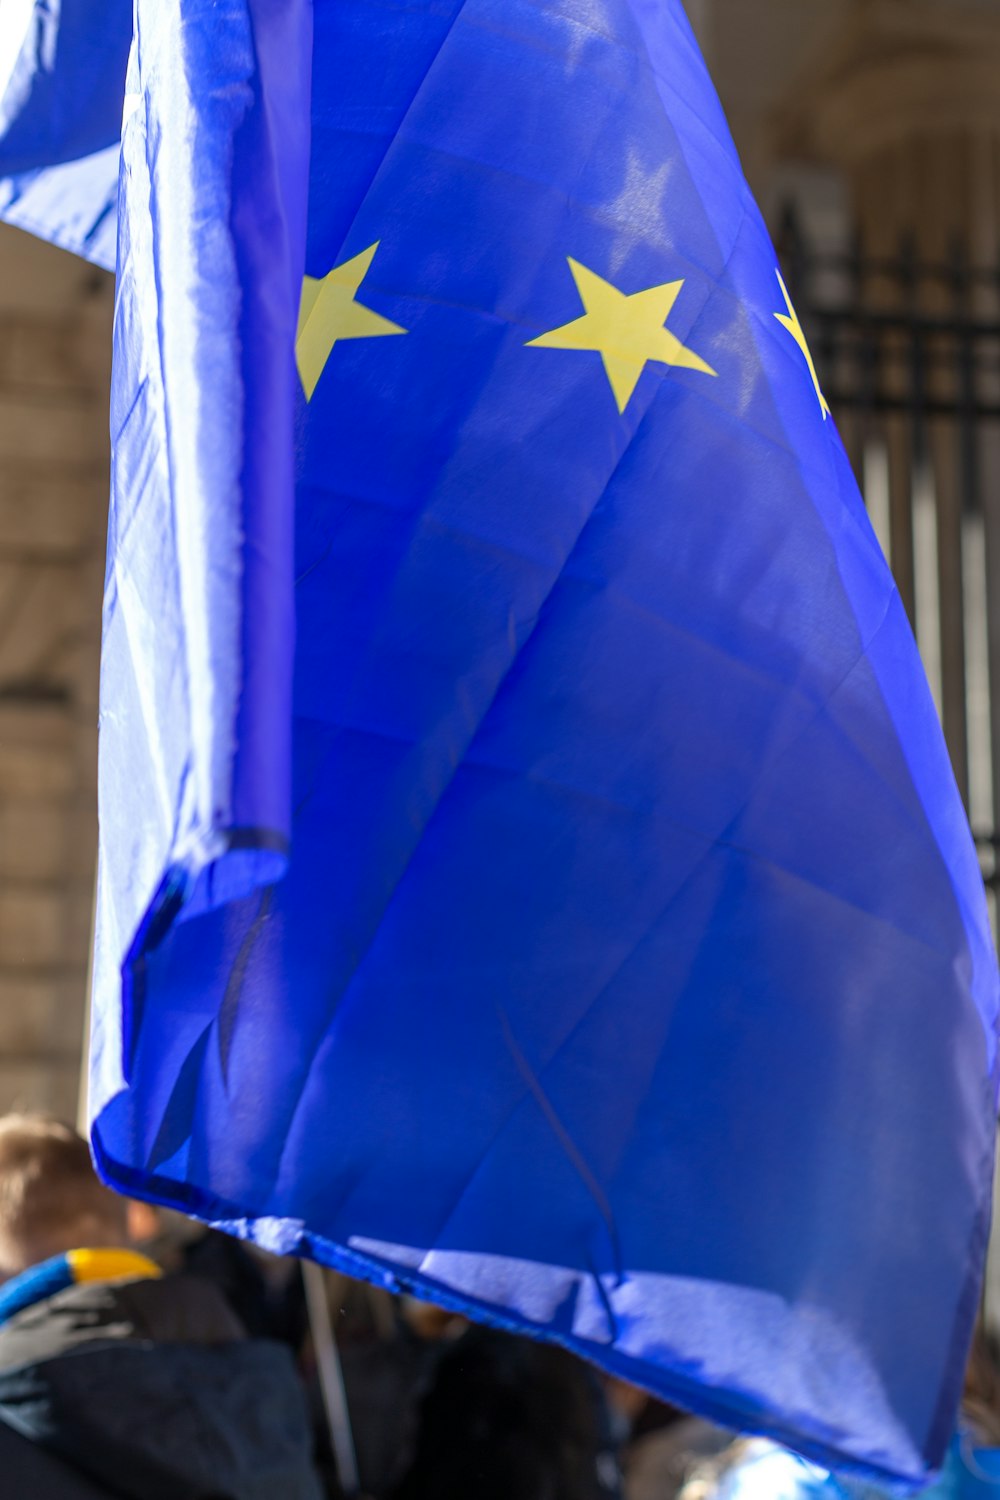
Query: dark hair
pixel 507 1419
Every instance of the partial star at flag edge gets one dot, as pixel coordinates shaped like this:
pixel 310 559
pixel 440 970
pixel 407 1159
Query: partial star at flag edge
pixel 790 321
pixel 330 312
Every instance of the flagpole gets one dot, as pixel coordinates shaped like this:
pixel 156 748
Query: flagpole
pixel 331 1378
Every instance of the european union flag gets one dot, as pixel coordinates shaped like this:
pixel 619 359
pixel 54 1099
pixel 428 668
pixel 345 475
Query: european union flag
pixel 480 534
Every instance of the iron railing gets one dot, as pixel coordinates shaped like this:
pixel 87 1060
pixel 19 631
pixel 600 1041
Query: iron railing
pixel 908 350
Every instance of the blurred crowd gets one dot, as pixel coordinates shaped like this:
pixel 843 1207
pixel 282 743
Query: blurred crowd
pixel 145 1358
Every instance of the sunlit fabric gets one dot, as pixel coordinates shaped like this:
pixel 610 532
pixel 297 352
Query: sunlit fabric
pixel 62 85
pixel 629 980
pixel 760 1471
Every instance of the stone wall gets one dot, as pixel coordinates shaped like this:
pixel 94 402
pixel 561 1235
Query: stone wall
pixel 55 333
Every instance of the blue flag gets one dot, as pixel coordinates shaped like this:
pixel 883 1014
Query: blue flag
pixel 531 872
pixel 62 86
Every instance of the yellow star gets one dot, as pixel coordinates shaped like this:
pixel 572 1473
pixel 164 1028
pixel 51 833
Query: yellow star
pixel 329 312
pixel 790 320
pixel 626 331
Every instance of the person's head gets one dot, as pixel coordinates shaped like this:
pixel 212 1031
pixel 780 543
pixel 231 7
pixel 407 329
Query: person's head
pixel 506 1419
pixel 430 1322
pixel 51 1199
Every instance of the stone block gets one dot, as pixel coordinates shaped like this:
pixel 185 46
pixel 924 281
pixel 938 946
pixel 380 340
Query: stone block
pixel 32 926
pixel 70 354
pixel 34 428
pixel 51 1086
pixel 86 758
pixel 37 751
pixel 42 1014
pixel 36 277
pixel 36 606
pixel 80 850
pixel 78 923
pixel 52 510
pixel 75 662
pixel 28 1009
pixel 34 839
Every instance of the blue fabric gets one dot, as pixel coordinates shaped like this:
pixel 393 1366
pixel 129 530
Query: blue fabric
pixel 630 981
pixel 763 1472
pixel 971 1471
pixel 62 86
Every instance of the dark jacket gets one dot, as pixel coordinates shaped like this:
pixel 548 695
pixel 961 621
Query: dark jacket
pixel 148 1390
pixel 507 1419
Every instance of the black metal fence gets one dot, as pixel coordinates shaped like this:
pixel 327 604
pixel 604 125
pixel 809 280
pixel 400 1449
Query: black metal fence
pixel 908 351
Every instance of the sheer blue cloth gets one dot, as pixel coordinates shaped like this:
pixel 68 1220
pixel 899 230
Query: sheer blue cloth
pixel 62 87
pixel 629 981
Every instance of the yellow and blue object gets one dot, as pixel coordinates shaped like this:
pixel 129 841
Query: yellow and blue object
pixel 74 1268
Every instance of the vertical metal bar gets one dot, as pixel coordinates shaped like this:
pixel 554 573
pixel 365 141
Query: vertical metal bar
pixel 947 491
pixel 988 445
pixel 947 461
pixel 976 613
pixel 924 507
pixel 966 381
pixel 899 446
pixel 974 590
pixel 793 253
pixel 897 435
pixel 852 370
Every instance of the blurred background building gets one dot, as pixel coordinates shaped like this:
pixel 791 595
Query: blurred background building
pixel 870 130
pixel 55 321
